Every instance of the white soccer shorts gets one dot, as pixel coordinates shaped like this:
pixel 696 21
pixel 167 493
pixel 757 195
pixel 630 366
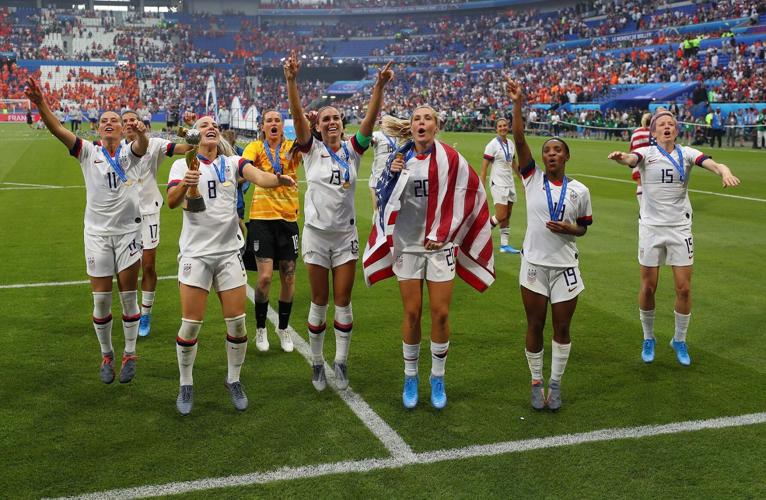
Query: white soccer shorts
pixel 223 271
pixel 502 195
pixel 150 230
pixel 435 266
pixel 660 245
pixel 329 249
pixel 559 284
pixel 108 255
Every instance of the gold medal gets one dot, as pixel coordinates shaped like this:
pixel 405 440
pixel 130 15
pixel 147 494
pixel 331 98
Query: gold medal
pixel 129 182
pixel 226 184
pixel 346 185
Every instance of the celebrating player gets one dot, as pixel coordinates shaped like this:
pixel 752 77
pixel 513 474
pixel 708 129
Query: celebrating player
pixel 382 146
pixel 558 211
pixel 112 224
pixel 150 204
pixel 434 211
pixel 330 240
pixel 272 232
pixel 501 153
pixel 209 254
pixel 665 224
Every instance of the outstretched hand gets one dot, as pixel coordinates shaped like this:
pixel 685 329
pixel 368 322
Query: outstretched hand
pixel 137 127
pixel 728 179
pixel 292 66
pixel 286 180
pixel 514 90
pixel 33 91
pixel 385 75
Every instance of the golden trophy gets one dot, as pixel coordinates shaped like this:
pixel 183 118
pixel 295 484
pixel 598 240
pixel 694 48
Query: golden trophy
pixel 194 200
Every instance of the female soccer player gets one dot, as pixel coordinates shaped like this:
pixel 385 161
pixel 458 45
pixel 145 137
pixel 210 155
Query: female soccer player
pixel 433 209
pixel 558 211
pixel 209 254
pixel 112 224
pixel 330 240
pixel 665 224
pixel 501 153
pixel 150 202
pixel 272 232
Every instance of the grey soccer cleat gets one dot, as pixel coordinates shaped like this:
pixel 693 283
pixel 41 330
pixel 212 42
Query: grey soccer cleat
pixel 318 377
pixel 341 375
pixel 554 396
pixel 128 370
pixel 538 395
pixel 185 399
pixel 238 396
pixel 107 368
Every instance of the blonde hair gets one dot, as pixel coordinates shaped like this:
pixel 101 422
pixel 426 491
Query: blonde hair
pixel 645 119
pixel 224 148
pixel 396 127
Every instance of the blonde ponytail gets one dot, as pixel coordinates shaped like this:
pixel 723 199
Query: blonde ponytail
pixel 396 127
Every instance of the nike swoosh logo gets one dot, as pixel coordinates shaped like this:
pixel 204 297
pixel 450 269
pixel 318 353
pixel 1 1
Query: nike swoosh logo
pixel 99 161
pixel 570 290
pixel 133 253
pixel 651 161
pixel 325 156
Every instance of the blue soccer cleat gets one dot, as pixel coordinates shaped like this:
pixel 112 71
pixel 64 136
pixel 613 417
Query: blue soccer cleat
pixel 508 249
pixel 682 353
pixel 144 325
pixel 647 353
pixel 438 394
pixel 410 392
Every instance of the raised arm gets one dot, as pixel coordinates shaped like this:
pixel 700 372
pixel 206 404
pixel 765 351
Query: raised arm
pixel 35 94
pixel 302 126
pixel 517 124
pixel 141 144
pixel 376 100
pixel 727 178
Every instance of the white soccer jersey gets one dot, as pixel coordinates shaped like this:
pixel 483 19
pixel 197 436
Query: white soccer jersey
pixel 410 229
pixel 501 156
pixel 150 197
pixel 216 230
pixel 327 204
pixel 542 246
pixel 665 201
pixel 382 147
pixel 112 206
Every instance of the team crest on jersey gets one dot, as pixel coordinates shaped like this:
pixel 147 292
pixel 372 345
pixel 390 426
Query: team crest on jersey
pixel 572 196
pixel 355 247
pixel 187 268
pixel 531 275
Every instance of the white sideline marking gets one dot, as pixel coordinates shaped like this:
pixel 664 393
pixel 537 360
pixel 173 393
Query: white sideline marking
pixel 65 283
pixel 361 466
pixel 393 442
pixel 626 181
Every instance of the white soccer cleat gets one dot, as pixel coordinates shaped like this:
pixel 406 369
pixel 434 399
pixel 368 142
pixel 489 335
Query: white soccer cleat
pixel 261 340
pixel 284 340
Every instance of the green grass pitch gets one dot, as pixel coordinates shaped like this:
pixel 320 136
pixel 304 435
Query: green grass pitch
pixel 62 432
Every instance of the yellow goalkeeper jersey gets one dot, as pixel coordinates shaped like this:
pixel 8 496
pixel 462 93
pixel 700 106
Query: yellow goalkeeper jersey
pixel 280 203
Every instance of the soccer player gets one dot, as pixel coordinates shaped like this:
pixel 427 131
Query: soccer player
pixel 209 254
pixel 665 224
pixel 501 153
pixel 434 211
pixel 272 233
pixel 330 240
pixel 150 203
pixel 112 224
pixel 558 211
pixel 382 147
pixel 640 138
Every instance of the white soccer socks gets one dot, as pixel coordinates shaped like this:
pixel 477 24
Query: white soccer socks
pixel 535 362
pixel 130 317
pixel 344 324
pixel 186 349
pixel 438 357
pixel 317 324
pixel 411 354
pixel 102 320
pixel 559 358
pixel 647 323
pixel 236 346
pixel 147 301
pixel 682 325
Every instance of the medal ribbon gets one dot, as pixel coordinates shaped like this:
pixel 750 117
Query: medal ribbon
pixel 343 164
pixel 115 162
pixel 276 164
pixel 557 211
pixel 678 164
